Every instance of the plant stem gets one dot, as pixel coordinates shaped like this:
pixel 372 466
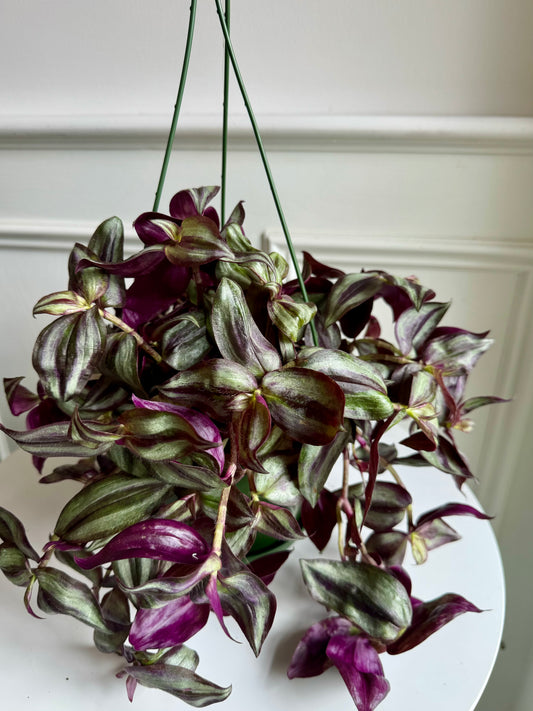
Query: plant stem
pixel 220 525
pixel 177 106
pixel 225 120
pixel 266 166
pixel 116 321
pixel 399 481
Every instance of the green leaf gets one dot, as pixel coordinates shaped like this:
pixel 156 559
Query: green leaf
pixel 307 404
pixel 389 545
pixel 107 243
pixel 352 373
pixel 388 506
pixel 197 242
pixel 316 462
pixel 59 593
pixel 184 341
pixel 187 476
pixel 52 441
pixel 67 352
pixel 13 564
pixel 456 353
pixel 133 572
pixel 181 682
pixel 211 386
pixel 107 506
pixel 248 600
pixel 277 522
pixel 369 405
pixel 290 316
pixel 116 613
pixel 411 287
pixel 120 362
pixel 60 303
pixel 12 531
pixel 92 433
pixel 91 282
pixel 364 389
pixel 161 436
pixel 370 597
pixel 236 333
pixel 276 484
pixel 414 326
pixel 350 291
pixel 252 427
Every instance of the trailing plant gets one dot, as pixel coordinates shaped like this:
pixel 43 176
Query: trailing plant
pixel 204 417
pixel 206 397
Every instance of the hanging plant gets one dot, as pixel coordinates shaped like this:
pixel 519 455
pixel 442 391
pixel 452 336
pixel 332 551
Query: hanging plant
pixel 207 397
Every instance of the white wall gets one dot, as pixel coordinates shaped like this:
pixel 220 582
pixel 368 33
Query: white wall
pixel 401 136
pixel 341 57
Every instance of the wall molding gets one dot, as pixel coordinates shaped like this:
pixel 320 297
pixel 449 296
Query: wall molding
pixel 54 236
pixel 378 134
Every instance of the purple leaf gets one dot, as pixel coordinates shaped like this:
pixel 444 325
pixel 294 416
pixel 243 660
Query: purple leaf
pixel 474 402
pixel 153 292
pixel 19 398
pixel 414 326
pixel 360 667
pixel 455 351
pixel 313 266
pixel 310 658
pixel 190 203
pixel 389 545
pixel 428 617
pixel 134 266
pixel 166 626
pixel 156 228
pixel 320 521
pixel 451 510
pixel 436 533
pixel 212 593
pixel 266 566
pixel 157 538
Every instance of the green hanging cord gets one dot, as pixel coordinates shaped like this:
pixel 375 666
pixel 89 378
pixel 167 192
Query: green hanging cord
pixel 177 106
pixel 225 121
pixel 229 49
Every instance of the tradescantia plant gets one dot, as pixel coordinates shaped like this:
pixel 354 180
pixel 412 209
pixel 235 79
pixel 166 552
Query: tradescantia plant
pixel 202 398
pixel 206 423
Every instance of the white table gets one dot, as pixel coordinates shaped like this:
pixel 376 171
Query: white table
pixel 51 665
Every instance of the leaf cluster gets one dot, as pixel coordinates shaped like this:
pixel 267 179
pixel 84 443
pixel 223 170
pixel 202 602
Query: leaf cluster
pixel 207 420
